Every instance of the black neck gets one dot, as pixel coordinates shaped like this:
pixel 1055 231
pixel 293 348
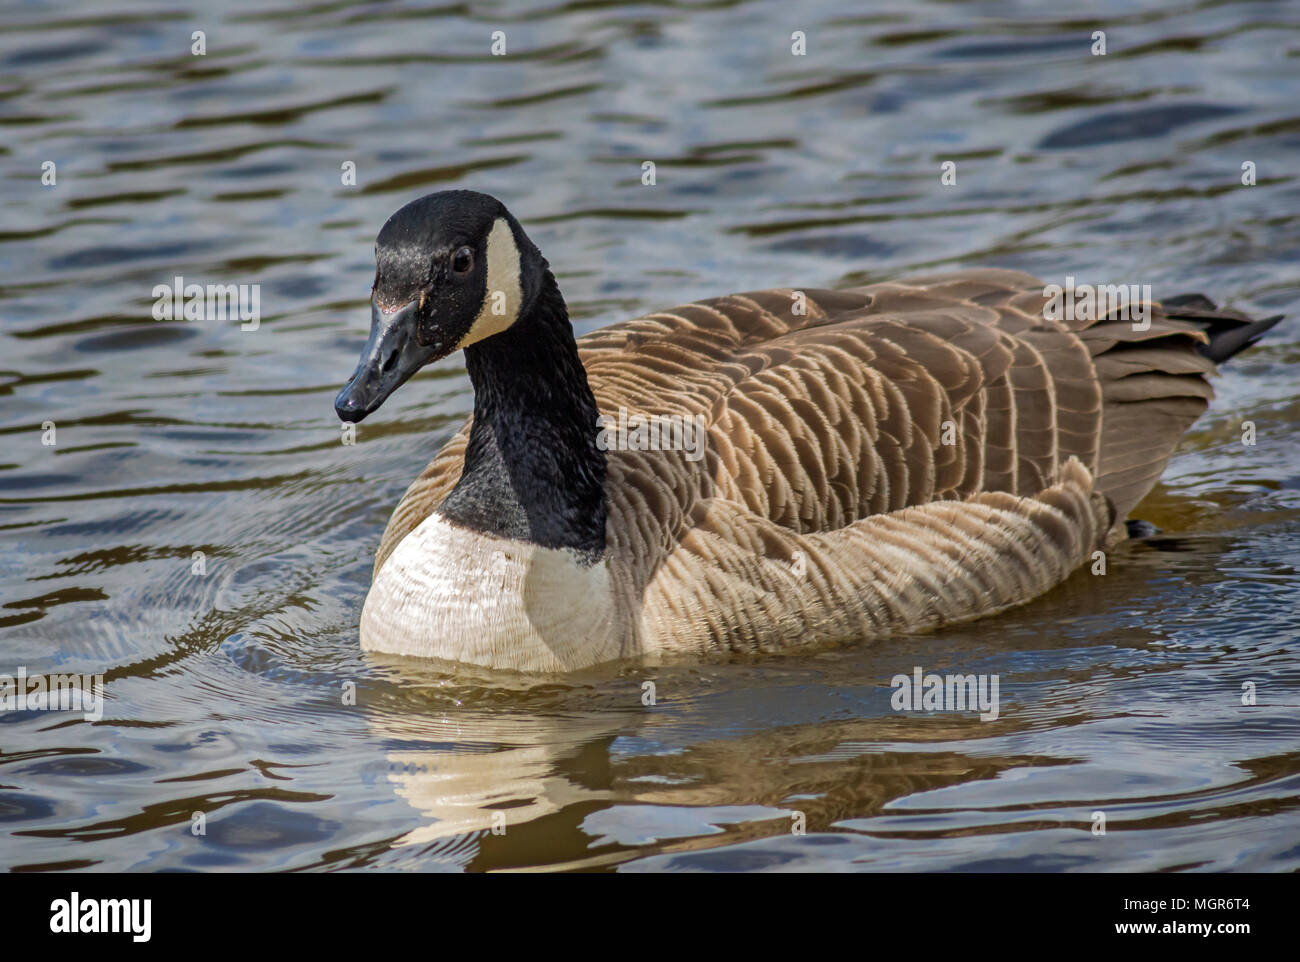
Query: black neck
pixel 532 469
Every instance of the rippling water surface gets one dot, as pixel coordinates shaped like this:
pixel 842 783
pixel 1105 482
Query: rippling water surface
pixel 226 690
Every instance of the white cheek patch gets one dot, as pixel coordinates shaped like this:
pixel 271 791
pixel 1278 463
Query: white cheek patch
pixel 503 294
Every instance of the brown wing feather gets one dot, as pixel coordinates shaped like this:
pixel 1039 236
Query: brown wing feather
pixel 910 426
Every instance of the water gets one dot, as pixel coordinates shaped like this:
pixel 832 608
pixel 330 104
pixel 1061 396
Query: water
pixel 227 691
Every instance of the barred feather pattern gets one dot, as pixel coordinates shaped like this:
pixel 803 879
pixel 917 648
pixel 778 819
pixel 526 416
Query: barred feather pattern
pixel 890 459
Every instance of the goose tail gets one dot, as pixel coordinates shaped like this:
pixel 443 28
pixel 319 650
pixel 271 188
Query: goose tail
pixel 1229 332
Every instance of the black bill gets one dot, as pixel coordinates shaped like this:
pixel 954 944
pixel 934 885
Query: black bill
pixel 391 355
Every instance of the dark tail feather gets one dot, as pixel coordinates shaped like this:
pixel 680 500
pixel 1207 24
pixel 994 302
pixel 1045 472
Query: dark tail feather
pixel 1230 332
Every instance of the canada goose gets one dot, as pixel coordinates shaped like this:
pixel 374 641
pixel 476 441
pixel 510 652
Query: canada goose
pixel 878 460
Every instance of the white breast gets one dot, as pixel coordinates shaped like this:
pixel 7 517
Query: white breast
pixel 449 592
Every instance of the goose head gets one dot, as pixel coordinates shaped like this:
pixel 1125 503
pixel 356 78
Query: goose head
pixel 452 269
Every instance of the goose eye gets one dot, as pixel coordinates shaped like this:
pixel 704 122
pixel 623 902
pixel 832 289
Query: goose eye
pixel 462 260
